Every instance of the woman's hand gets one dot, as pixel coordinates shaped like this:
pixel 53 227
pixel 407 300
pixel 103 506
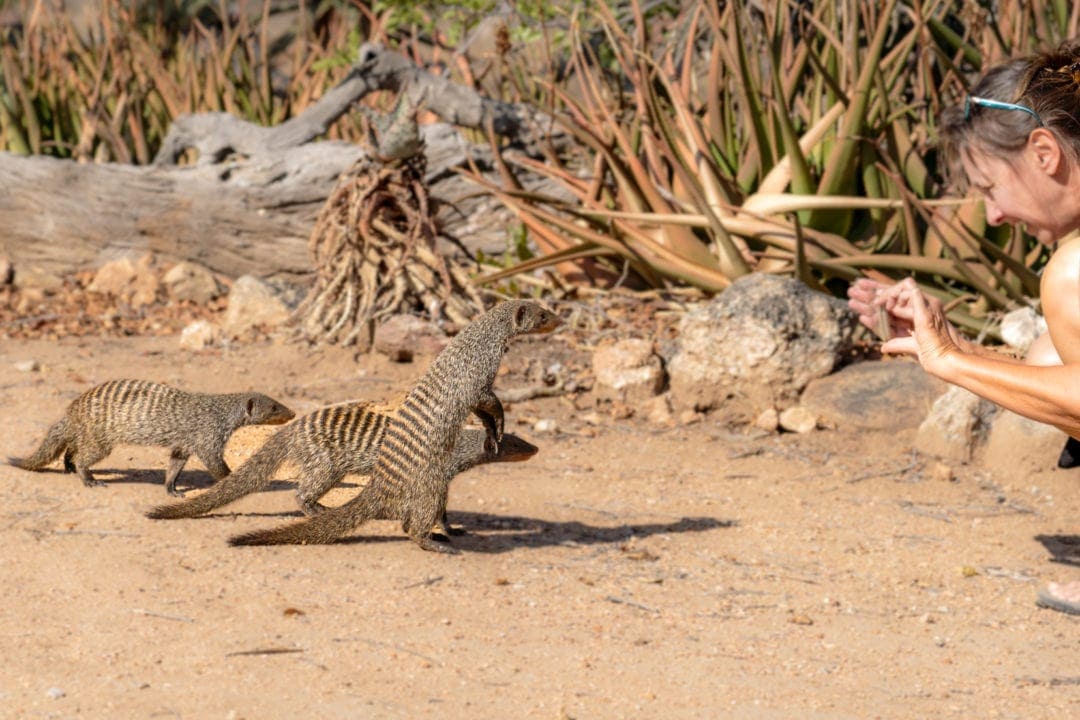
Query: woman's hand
pixel 879 308
pixel 932 339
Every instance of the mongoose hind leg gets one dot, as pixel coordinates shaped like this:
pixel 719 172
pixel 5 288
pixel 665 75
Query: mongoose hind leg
pixel 177 459
pixel 315 482
pixel 443 530
pixel 418 524
pixel 83 457
pixel 69 463
pixel 215 464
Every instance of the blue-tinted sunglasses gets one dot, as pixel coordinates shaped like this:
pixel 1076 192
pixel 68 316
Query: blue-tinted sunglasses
pixel 997 105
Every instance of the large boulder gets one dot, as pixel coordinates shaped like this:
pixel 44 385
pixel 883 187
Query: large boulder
pixel 757 344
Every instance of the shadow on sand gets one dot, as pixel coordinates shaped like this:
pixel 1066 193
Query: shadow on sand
pixel 494 534
pixel 1064 549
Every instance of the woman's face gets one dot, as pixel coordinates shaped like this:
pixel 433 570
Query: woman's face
pixel 1017 191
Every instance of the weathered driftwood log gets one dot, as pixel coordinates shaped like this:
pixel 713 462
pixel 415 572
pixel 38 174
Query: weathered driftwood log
pixel 248 201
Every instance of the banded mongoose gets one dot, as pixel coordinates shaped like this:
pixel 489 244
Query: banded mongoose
pixel 328 444
pixel 140 412
pixel 413 466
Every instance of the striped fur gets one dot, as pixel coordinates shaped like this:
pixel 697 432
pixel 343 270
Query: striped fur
pixel 414 463
pixel 327 445
pixel 140 412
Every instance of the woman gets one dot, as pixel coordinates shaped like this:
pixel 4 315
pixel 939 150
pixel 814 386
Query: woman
pixel 1016 142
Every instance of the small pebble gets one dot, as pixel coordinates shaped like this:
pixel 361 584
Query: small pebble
pixel 55 693
pixel 28 366
pixel 545 425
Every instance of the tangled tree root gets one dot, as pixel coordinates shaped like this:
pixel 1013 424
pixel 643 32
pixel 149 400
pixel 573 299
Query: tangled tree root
pixel 374 251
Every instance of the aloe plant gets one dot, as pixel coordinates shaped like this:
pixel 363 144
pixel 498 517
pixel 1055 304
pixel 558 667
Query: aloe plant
pixel 779 137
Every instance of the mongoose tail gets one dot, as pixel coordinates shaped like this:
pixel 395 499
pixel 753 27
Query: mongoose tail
pixel 56 441
pixel 474 448
pixel 254 475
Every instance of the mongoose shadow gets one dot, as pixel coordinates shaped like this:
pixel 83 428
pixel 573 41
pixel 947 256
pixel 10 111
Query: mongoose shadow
pixel 1064 549
pixel 194 479
pixel 512 532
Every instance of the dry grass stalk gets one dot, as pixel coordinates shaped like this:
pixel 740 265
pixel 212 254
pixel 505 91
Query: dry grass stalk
pixel 374 248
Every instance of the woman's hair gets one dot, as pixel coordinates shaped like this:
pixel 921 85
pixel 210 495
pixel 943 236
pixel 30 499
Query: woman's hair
pixel 1046 83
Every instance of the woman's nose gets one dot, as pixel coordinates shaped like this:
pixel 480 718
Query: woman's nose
pixel 994 216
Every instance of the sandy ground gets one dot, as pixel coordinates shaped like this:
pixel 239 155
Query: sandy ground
pixel 626 571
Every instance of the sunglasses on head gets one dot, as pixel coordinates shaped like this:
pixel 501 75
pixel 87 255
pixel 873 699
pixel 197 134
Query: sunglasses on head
pixel 997 105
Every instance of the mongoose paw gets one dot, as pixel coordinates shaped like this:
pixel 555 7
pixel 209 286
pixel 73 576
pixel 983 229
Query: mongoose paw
pixel 94 483
pixel 431 545
pixel 174 492
pixel 313 508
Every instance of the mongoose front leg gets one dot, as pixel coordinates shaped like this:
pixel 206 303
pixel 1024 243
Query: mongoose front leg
pixel 69 462
pixel 177 458
pixel 490 411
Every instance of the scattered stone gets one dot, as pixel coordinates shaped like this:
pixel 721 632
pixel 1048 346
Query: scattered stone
pixel 199 335
pixel 592 418
pixel 545 425
pixel 628 370
pixel 55 693
pixel 402 337
pixel 797 419
pixel 28 366
pixel 132 282
pixel 757 344
pixel 941 472
pixel 35 278
pixel 958 421
pixel 888 395
pixel 657 410
pixel 192 282
pixel 768 420
pixel 690 417
pixel 253 303
pixel 1020 328
pixel 1017 444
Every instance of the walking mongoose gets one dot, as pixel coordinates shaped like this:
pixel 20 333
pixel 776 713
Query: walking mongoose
pixel 327 445
pixel 413 466
pixel 140 412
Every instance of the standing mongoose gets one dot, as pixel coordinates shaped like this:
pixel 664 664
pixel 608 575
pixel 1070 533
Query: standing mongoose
pixel 413 466
pixel 140 412
pixel 328 444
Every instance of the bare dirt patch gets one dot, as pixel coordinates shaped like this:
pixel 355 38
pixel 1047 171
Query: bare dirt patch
pixel 625 571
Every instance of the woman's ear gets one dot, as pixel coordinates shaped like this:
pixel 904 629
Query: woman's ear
pixel 1045 150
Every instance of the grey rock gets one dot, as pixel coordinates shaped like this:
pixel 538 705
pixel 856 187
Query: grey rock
pixel 1019 328
pixel 35 278
pixel 199 335
pixel 192 282
pixel 131 281
pixel 958 421
pixel 758 344
pixel 797 419
pixel 887 395
pixel 627 370
pixel 253 303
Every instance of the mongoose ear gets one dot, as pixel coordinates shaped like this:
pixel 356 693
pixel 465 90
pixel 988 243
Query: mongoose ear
pixel 249 407
pixel 519 316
